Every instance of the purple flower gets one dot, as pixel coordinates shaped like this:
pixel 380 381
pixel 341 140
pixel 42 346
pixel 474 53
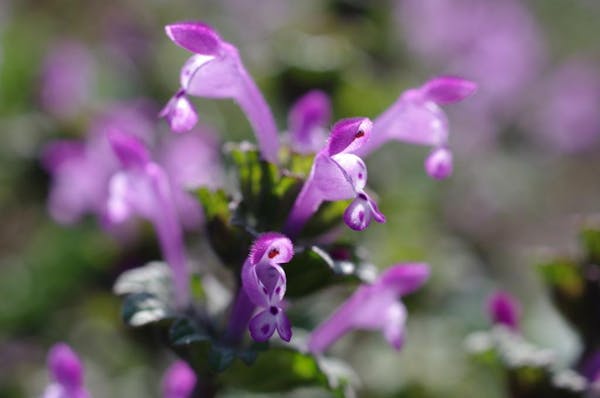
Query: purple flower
pixel 495 43
pixel 180 113
pixel 373 307
pixel 216 71
pixel 179 381
pixel 142 187
pixel 504 309
pixel 338 174
pixel 67 374
pixel 66 79
pixel 264 283
pixel 81 169
pixel 417 118
pixel 307 122
pixel 566 108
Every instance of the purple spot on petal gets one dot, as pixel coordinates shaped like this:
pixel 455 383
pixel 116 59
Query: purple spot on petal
pixel 360 176
pixel 264 329
pixel 274 310
pixel 277 290
pixel 265 290
pixel 361 216
pixel 362 196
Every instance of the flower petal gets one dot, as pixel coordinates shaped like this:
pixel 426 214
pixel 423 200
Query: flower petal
pixel 180 114
pixel 262 326
pixel 393 329
pixel 347 135
pixel 404 278
pixel 196 37
pixel 448 89
pixel 179 381
pixel 504 309
pixel 272 247
pixel 361 211
pixel 284 327
pixel 65 366
pixel 354 168
pixel 306 121
pixel 129 149
pixel 439 163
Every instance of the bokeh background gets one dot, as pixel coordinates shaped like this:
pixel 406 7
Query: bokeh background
pixel 526 150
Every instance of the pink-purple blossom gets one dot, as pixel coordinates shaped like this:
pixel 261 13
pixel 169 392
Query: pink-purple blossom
pixel 179 381
pixel 338 174
pixel 504 309
pixel 417 118
pixel 216 71
pixel 264 284
pixel 308 121
pixel 373 307
pixel 143 188
pixel 66 371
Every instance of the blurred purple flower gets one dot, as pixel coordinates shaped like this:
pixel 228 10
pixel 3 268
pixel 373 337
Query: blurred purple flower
pixel 143 188
pixel 373 307
pixel 495 43
pixel 504 309
pixel 338 174
pixel 67 374
pixel 417 118
pixel 81 170
pixel 179 381
pixel 216 71
pixel 66 80
pixel 566 116
pixel 264 284
pixel 308 121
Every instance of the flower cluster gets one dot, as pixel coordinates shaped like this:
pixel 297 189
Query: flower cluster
pixel 121 173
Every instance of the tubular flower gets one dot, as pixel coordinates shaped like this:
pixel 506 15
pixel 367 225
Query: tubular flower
pixel 264 284
pixel 373 307
pixel 179 381
pixel 417 118
pixel 142 187
pixel 67 374
pixel 307 122
pixel 338 174
pixel 504 309
pixel 216 71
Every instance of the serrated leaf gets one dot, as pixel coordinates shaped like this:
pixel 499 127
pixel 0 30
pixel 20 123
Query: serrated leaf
pixel 221 357
pixel 228 241
pixel 185 332
pixel 153 278
pixel 267 193
pixel 313 269
pixel 283 369
pixel 141 309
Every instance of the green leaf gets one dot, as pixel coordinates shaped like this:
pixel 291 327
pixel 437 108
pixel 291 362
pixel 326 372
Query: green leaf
pixel 185 332
pixel 313 269
pixel 267 193
pixel 229 242
pixel 221 357
pixel 153 278
pixel 329 216
pixel 283 369
pixel 141 309
pixel 590 238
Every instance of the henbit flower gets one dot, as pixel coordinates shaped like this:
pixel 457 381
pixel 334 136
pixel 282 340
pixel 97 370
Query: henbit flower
pixel 373 307
pixel 216 71
pixel 264 284
pixel 180 113
pixel 504 309
pixel 143 188
pixel 417 118
pixel 307 122
pixel 179 381
pixel 338 174
pixel 67 374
